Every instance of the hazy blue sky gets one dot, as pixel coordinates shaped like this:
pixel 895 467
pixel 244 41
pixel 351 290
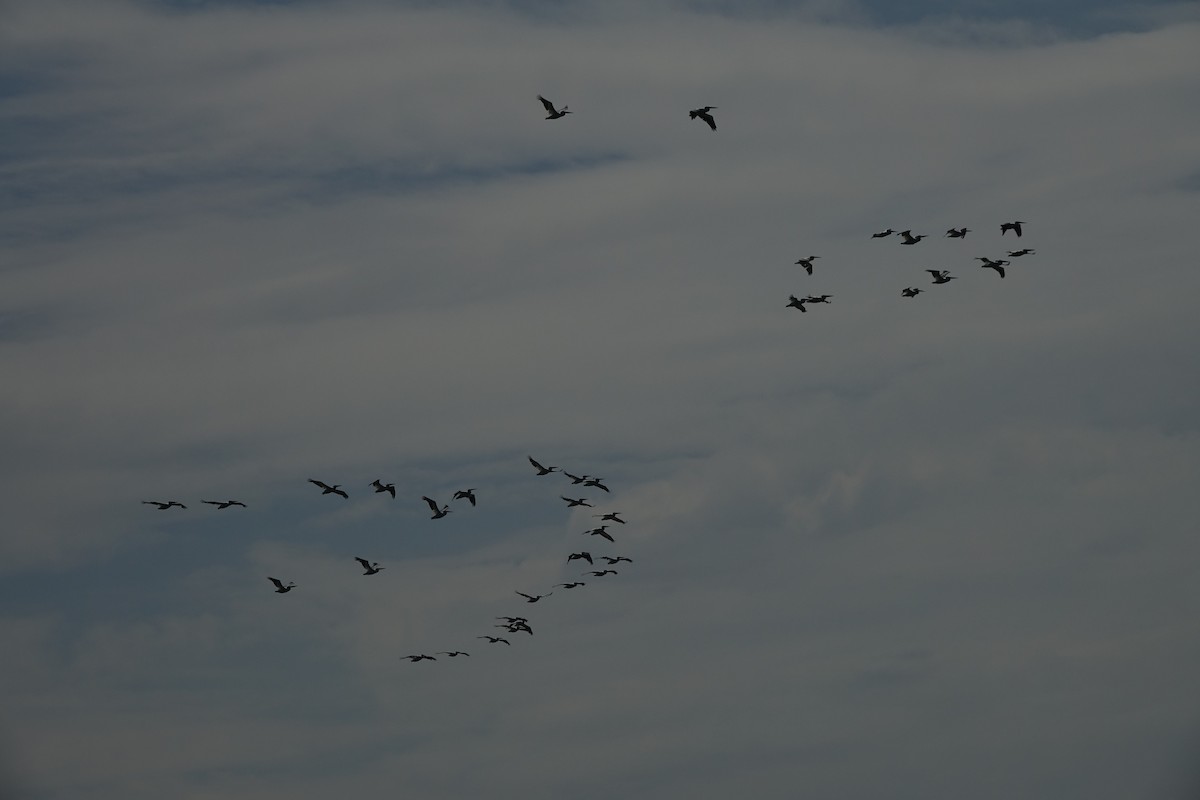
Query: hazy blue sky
pixel 938 547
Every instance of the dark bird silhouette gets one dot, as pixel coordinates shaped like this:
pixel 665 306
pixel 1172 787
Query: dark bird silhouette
pixel 586 556
pixel 815 298
pixel 580 502
pixel 1022 252
pixel 1015 227
pixel 702 113
pixel 601 531
pixel 909 238
pixel 220 504
pixel 512 621
pixel 958 233
pixel 465 494
pixel 327 489
pixel 575 479
pixel 541 470
pixel 940 275
pixel 517 627
pixel 370 568
pixel 452 653
pixel 163 506
pixel 616 559
pixel 882 234
pixel 595 483
pixel 807 263
pixel 494 639
pixel 600 573
pixel 610 517
pixel 422 657
pixel 911 292
pixel 279 587
pixel 571 585
pixel 438 513
pixel 796 302
pixel 996 265
pixel 533 598
pixel 551 111
pixel 380 486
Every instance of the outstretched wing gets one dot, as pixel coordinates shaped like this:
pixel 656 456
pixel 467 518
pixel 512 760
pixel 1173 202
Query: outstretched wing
pixel 550 109
pixel 432 504
pixel 278 583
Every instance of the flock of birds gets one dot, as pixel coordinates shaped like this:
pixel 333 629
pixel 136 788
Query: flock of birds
pixel 509 624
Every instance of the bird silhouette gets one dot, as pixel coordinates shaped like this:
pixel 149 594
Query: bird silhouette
pixel 580 502
pixel 465 494
pixel 616 559
pixel 571 585
pixel 1015 227
pixel 551 111
pixel 796 302
pixel 541 470
pixel 807 263
pixel 370 568
pixel 452 653
pixel 882 234
pixel 380 486
pixel 533 598
pixel 422 657
pixel 495 639
pixel 996 265
pixel 575 479
pixel 327 489
pixel 595 483
pixel 279 587
pixel 601 531
pixel 702 113
pixel 940 275
pixel 958 233
pixel 586 556
pixel 600 573
pixel 1026 251
pixel 438 513
pixel 610 517
pixel 163 506
pixel 911 292
pixel 909 238
pixel 818 298
pixel 220 504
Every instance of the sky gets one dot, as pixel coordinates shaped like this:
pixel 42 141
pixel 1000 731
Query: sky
pixel 931 547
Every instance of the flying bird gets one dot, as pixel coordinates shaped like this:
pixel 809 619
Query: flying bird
pixel 882 234
pixel 702 113
pixel 958 233
pixel 575 479
pixel 796 302
pixel 370 568
pixel 1015 227
pixel 335 489
pixel 807 263
pixel 512 621
pixel 220 504
pixel 380 486
pixel 533 598
pixel 600 573
pixel 996 265
pixel 911 292
pixel 279 587
pixel 616 559
pixel 438 513
pixel 940 275
pixel 494 639
pixel 595 483
pixel 610 517
pixel 163 506
pixel 571 585
pixel 1026 251
pixel 822 298
pixel 541 470
pixel 586 556
pixel 551 111
pixel 601 531
pixel 422 657
pixel 910 239
pixel 452 653
pixel 580 502
pixel 465 494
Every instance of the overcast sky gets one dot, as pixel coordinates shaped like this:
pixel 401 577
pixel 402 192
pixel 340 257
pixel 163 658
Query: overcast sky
pixel 932 547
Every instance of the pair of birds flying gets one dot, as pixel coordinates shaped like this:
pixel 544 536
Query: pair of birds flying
pixel 696 113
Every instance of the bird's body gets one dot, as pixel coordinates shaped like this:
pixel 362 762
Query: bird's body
pixel 807 263
pixel 909 238
pixel 1026 251
pixel 571 503
pixel 465 494
pixel 600 573
pixel 940 275
pixel 882 234
pixel 327 489
pixel 1015 227
pixel 610 517
pixel 958 233
pixel 796 302
pixel 571 585
pixel 575 479
pixel 911 292
pixel 601 531
pixel 595 483
pixel 702 113
pixel 164 505
pixel 819 298
pixel 220 504
pixel 586 556
pixel 279 587
pixel 495 639
pixel 541 470
pixel 996 265
pixel 438 512
pixel 533 598
pixel 551 111
pixel 370 568
pixel 380 486
pixel 452 653
pixel 421 657
pixel 616 559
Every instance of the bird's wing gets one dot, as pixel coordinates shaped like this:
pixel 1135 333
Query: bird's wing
pixel 366 564
pixel 319 483
pixel 525 595
pixel 275 581
pixel 432 504
pixel 535 464
pixel 712 123
pixel 549 107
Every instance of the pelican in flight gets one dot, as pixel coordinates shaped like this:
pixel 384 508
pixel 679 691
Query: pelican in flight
pixel 541 470
pixel 465 494
pixel 600 573
pixel 494 639
pixel 533 598
pixel 796 302
pixel 1015 227
pixel 1026 251
pixel 940 275
pixel 882 234
pixel 575 479
pixel 610 517
pixel 807 263
pixel 586 556
pixel 422 657
pixel 958 233
pixel 580 502
pixel 335 489
pixel 601 531
pixel 571 585
pixel 911 292
pixel 702 113
pixel 370 568
pixel 452 653
pixel 438 513
pixel 616 559
pixel 996 265
pixel 220 504
pixel 818 298
pixel 163 506
pixel 551 111
pixel 595 483
pixel 279 587
pixel 380 486
pixel 910 239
